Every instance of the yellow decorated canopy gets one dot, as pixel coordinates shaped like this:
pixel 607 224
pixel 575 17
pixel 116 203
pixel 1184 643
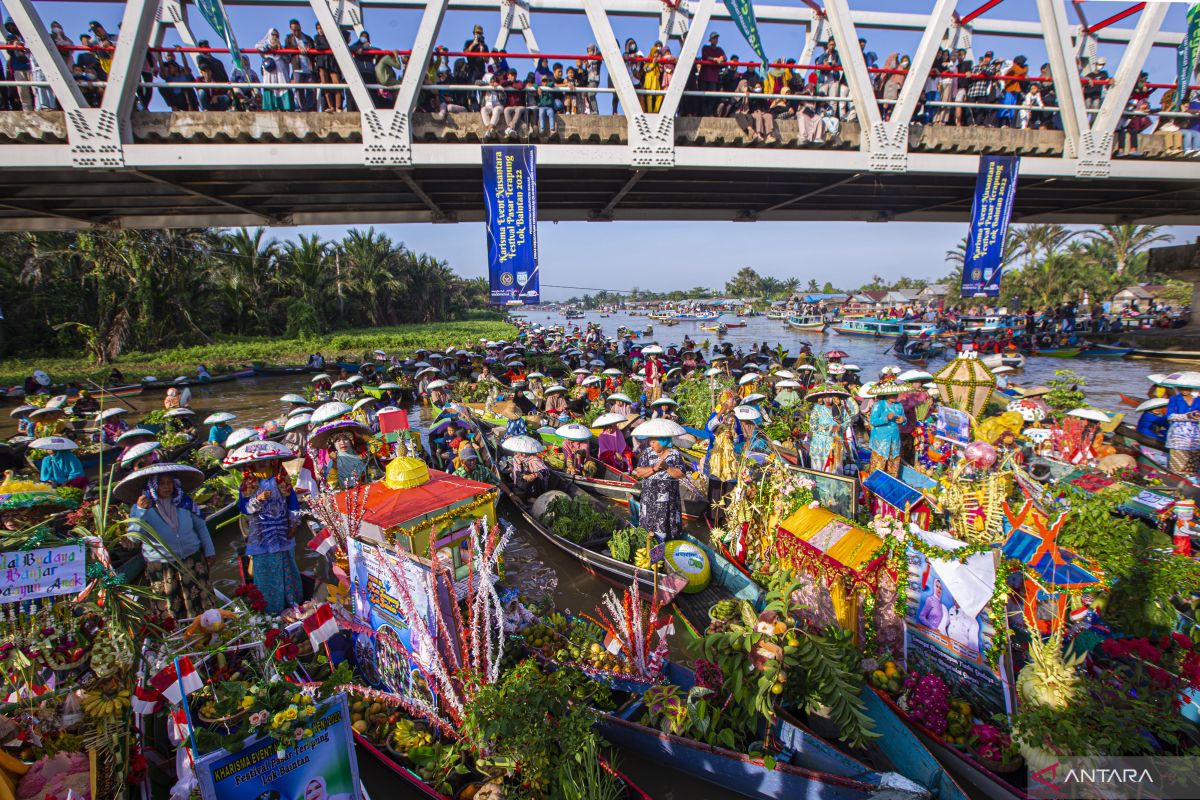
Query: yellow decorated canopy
pixel 843 547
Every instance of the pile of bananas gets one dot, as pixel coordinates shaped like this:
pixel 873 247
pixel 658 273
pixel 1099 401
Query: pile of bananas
pixel 11 770
pixel 407 736
pixel 100 704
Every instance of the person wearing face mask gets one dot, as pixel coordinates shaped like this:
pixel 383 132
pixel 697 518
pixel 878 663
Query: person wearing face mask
pixel 364 60
pixel 268 502
pixel 275 70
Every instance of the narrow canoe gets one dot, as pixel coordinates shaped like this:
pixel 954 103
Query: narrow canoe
pixel 806 766
pixel 592 556
pixel 1105 351
pixel 1174 355
pixel 1058 352
pixel 960 765
pixel 620 487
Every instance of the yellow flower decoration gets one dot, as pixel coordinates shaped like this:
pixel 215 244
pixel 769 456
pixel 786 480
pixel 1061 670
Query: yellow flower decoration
pixel 290 714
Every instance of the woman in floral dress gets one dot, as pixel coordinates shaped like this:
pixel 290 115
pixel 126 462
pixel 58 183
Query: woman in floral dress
pixel 659 470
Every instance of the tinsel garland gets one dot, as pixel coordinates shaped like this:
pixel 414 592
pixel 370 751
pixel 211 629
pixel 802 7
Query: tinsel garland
pixel 396 701
pixel 432 523
pixel 806 558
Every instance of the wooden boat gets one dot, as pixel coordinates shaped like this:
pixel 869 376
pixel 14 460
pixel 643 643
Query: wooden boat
pixel 621 487
pixel 684 317
pixel 1171 355
pixel 1057 352
pixel 592 555
pixel 1133 402
pixel 735 324
pixel 778 316
pixel 815 323
pixel 804 765
pixel 268 370
pixel 960 765
pixel 884 328
pixel 128 390
pixel 91 461
pixel 423 789
pixel 1105 351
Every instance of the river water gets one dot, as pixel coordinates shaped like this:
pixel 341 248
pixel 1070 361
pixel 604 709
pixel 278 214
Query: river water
pixel 540 568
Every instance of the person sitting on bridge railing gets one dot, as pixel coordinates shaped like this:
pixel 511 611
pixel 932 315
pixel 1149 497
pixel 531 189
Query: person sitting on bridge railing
pixel 547 125
pixel 248 99
pixel 515 100
pixel 493 107
pixel 215 98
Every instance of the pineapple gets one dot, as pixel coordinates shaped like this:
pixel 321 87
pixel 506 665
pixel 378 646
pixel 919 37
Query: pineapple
pixel 1049 680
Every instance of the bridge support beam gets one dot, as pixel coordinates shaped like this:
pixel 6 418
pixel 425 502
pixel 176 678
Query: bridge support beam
pixel 1090 141
pixel 387 132
pixel 515 18
pixel 886 141
pixel 96 135
pixel 651 135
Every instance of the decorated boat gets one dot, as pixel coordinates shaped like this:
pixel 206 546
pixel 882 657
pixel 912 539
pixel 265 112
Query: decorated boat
pixel 884 328
pixel 808 322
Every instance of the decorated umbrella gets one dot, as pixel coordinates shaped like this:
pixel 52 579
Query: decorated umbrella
pixel 255 452
pixel 966 384
pixel 1030 409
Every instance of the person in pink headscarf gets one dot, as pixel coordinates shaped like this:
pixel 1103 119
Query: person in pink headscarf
pixel 613 450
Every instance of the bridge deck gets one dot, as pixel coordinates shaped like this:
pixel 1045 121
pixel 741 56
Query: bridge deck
pixel 293 168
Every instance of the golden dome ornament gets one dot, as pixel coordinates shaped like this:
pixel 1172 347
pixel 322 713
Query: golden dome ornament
pixel 966 384
pixel 405 473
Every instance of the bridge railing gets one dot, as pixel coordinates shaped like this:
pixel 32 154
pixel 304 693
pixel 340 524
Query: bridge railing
pixel 98 136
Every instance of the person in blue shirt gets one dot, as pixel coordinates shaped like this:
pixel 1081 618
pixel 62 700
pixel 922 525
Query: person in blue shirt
pixel 62 467
pixel 1153 423
pixel 887 415
pixel 1183 434
pixel 218 433
pixel 177 546
pixel 268 501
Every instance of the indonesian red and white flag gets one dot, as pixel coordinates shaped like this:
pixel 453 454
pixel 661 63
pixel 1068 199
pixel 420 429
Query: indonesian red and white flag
pixel 145 700
pixel 612 644
pixel 320 625
pixel 174 687
pixel 323 542
pixel 179 726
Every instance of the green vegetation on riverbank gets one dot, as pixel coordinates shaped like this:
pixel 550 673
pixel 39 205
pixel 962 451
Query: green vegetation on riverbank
pixel 108 293
pixel 234 352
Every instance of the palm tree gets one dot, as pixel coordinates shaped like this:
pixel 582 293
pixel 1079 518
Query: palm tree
pixel 245 265
pixel 305 277
pixel 1030 239
pixel 790 286
pixel 371 268
pixel 1124 242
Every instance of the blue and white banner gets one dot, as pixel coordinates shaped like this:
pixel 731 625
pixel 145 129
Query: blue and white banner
pixel 995 192
pixel 510 192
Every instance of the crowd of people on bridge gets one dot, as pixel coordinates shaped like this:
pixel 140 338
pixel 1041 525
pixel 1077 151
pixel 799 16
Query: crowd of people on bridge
pixel 961 90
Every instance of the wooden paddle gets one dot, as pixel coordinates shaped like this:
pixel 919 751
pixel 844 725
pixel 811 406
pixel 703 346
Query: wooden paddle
pixel 122 399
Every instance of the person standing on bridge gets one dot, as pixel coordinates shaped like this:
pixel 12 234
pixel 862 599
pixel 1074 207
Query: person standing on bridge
pixel 302 64
pixel 327 72
pixel 275 70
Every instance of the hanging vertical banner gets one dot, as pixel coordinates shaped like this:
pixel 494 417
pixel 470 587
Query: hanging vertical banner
pixel 214 14
pixel 743 17
pixel 995 192
pixel 510 193
pixel 1185 56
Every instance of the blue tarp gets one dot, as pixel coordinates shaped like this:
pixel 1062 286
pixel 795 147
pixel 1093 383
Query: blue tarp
pixel 892 490
pixel 1022 544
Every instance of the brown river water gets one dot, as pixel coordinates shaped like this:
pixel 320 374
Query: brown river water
pixel 539 568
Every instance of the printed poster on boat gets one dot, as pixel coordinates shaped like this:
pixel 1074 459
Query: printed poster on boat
pixel 510 196
pixel 43 572
pixel 378 603
pixel 995 193
pixel 322 766
pixel 948 626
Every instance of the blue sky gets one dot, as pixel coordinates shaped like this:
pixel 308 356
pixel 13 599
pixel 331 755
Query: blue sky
pixel 661 255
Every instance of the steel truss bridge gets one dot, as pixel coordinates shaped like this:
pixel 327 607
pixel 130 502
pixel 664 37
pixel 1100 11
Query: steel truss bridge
pixel 107 166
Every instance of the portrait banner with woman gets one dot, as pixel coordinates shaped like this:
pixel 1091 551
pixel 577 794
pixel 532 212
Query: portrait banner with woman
pixel 948 622
pixel 318 767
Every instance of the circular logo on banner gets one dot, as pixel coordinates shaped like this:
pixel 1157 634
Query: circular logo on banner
pixel 976 274
pixel 506 278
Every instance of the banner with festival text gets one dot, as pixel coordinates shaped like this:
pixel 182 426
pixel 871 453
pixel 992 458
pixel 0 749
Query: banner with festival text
pixel 1185 56
pixel 322 765
pixel 995 193
pixel 742 13
pixel 510 194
